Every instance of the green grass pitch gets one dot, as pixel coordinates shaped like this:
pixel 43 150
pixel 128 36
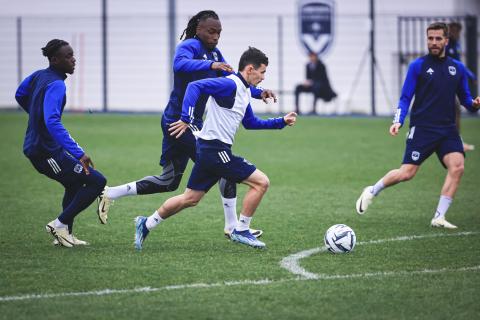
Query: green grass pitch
pixel 188 270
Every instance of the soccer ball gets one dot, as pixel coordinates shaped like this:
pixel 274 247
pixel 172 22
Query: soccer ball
pixel 340 238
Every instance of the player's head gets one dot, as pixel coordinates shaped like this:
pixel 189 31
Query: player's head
pixel 253 65
pixel 454 29
pixel 60 55
pixel 206 26
pixel 437 38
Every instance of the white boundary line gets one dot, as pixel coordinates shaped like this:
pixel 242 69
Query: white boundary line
pixel 301 277
pixel 292 262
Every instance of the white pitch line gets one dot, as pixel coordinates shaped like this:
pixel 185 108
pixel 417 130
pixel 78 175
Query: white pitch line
pixel 292 262
pixel 302 277
pixel 262 282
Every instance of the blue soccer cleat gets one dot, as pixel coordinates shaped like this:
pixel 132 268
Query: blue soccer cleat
pixel 141 231
pixel 247 238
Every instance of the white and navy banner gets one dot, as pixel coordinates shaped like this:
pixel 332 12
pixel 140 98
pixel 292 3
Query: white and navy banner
pixel 316 25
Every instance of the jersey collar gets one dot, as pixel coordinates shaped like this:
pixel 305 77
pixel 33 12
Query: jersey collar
pixel 243 80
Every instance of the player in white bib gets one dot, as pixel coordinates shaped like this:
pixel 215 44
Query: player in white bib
pixel 228 106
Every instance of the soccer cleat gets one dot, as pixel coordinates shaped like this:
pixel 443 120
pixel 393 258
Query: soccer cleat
pixel 60 234
pixel 256 233
pixel 74 240
pixel 141 231
pixel 365 200
pixel 442 223
pixel 104 204
pixel 245 237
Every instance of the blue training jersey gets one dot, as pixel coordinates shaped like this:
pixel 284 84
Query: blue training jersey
pixel 435 82
pixel 192 61
pixel 42 96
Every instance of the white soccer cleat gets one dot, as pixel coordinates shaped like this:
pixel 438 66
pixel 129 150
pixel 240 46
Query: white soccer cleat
pixel 60 234
pixel 75 241
pixel 442 223
pixel 104 204
pixel 256 233
pixel 365 200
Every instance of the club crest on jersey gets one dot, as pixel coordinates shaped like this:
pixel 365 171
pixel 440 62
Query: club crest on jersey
pixel 205 57
pixel 415 155
pixel 215 55
pixel 452 70
pixel 316 19
pixel 78 168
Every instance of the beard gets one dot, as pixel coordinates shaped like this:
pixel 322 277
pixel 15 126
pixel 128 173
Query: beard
pixel 437 51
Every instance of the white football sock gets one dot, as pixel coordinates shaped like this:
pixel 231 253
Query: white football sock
pixel 243 223
pixel 58 224
pixel 379 186
pixel 128 189
pixel 443 205
pixel 154 220
pixel 230 212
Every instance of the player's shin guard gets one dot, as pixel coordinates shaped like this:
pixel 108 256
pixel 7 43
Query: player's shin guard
pixel 168 181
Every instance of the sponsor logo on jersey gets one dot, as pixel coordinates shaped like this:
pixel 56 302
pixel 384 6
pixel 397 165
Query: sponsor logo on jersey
pixel 452 70
pixel 430 71
pixel 415 155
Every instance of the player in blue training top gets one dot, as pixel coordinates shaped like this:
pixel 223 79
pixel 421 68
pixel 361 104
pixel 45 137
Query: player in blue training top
pixel 435 80
pixel 197 57
pixel 49 146
pixel 228 105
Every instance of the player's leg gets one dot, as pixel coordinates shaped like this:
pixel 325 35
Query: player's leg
pixel 228 191
pixel 258 184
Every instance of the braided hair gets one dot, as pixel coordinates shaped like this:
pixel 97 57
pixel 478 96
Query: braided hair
pixel 52 47
pixel 191 28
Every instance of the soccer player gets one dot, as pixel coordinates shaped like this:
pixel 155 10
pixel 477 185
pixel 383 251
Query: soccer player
pixel 228 105
pixel 49 146
pixel 197 57
pixel 435 80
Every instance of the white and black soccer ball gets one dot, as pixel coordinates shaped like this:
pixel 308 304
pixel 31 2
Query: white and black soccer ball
pixel 340 238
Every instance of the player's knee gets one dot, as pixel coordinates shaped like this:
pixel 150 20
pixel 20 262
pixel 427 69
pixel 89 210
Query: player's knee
pixel 457 170
pixel 406 175
pixel 263 183
pixel 191 200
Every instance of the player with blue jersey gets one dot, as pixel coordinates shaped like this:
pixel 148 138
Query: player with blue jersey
pixel 434 80
pixel 197 57
pixel 228 105
pixel 49 146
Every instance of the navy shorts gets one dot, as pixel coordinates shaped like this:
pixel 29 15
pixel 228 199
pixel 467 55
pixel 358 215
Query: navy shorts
pixel 214 161
pixel 177 150
pixel 67 170
pixel 423 141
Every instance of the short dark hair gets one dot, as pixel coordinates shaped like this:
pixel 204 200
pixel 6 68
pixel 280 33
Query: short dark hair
pixel 52 47
pixel 252 56
pixel 439 26
pixel 192 25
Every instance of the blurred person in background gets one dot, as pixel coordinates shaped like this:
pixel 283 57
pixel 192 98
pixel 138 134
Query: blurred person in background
pixel 454 51
pixel 316 83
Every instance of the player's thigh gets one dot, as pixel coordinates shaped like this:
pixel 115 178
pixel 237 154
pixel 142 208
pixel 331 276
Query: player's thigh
pixel 451 149
pixel 420 145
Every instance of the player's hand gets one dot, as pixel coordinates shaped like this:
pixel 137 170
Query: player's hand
pixel 178 128
pixel 221 66
pixel 86 163
pixel 267 94
pixel 476 103
pixel 394 128
pixel 290 118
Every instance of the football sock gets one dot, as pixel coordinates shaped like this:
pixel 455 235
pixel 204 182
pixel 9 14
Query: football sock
pixel 128 189
pixel 243 223
pixel 379 186
pixel 230 212
pixel 59 224
pixel 442 207
pixel 153 221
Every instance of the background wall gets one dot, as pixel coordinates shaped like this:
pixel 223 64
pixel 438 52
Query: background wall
pixel 139 65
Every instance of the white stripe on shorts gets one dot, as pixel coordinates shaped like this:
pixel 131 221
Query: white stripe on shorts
pixel 222 157
pixel 54 165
